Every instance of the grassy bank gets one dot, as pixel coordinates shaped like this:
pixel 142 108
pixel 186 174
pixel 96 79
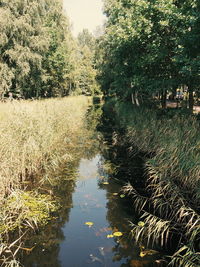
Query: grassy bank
pixel 36 138
pixel 170 202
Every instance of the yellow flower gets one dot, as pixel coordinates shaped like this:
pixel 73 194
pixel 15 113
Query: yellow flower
pixel 117 234
pixel 142 254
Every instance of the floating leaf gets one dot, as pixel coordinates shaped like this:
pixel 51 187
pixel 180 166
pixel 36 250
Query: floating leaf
pixel 142 254
pixel 98 234
pixel 110 236
pixel 141 223
pixel 115 194
pixel 89 224
pixel 105 183
pixel 122 196
pixel 117 234
pixel 148 253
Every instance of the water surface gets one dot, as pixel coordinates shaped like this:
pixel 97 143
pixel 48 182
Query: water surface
pixel 93 195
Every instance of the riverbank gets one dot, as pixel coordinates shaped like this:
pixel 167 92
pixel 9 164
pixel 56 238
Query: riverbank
pixel 37 138
pixel 168 197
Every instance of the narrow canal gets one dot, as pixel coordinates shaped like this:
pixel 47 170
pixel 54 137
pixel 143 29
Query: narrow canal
pixel 93 227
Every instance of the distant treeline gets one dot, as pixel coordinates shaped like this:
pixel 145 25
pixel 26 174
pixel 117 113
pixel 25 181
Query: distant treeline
pixel 151 48
pixel 38 55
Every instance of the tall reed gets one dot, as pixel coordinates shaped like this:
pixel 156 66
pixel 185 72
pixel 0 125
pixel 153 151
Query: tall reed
pixel 169 204
pixel 36 137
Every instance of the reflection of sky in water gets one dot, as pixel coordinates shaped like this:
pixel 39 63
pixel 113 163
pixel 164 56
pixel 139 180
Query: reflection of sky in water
pixel 82 244
pixel 88 169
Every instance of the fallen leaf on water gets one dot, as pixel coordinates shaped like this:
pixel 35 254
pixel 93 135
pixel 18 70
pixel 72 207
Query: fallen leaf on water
pixel 110 236
pixel 117 234
pixel 142 254
pixel 98 234
pixel 89 224
pixel 105 229
pixel 122 196
pixel 115 194
pixel 148 253
pixel 141 224
pixel 93 258
pixel 105 183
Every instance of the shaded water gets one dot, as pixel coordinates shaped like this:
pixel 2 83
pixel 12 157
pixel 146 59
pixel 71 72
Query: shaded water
pixel 93 195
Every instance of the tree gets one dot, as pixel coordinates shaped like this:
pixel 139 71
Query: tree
pixel 36 48
pixel 188 54
pixel 140 43
pixel 24 42
pixel 87 70
pixel 58 61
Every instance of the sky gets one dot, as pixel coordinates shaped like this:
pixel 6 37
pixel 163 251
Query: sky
pixel 84 14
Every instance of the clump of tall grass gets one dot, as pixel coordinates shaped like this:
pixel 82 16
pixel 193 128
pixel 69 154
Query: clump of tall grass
pixel 36 137
pixel 170 202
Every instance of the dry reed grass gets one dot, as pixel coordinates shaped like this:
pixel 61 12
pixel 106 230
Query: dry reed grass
pixel 170 202
pixel 36 137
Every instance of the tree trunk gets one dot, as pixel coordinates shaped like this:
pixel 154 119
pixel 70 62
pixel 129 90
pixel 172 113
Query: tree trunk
pixel 191 99
pixel 132 99
pixel 174 92
pixel 164 99
pixel 136 99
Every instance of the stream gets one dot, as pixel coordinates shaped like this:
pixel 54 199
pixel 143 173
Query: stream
pixel 93 226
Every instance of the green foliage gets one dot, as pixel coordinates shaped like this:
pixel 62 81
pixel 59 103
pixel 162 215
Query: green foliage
pixel 149 47
pixel 58 63
pixel 86 69
pixel 22 44
pixel 38 55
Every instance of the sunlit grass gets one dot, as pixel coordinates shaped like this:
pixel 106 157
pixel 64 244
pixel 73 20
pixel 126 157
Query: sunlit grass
pixel 36 138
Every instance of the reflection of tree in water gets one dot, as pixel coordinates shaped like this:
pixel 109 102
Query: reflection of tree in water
pixel 61 185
